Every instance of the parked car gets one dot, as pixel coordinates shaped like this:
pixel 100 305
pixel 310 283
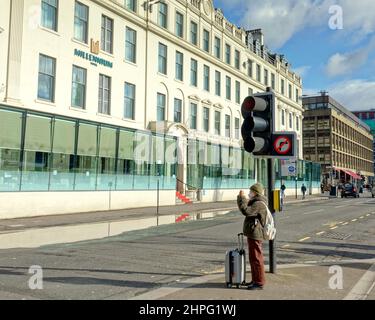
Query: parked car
pixel 349 190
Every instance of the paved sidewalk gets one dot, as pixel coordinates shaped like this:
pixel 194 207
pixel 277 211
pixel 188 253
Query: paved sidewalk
pixel 292 282
pixel 10 225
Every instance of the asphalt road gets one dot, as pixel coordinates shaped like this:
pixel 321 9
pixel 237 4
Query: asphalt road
pixel 139 261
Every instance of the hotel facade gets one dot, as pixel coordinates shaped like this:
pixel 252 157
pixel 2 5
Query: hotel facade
pixel 104 101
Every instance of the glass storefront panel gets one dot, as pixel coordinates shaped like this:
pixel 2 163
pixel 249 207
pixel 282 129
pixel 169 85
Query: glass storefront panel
pixel 170 177
pixel 62 168
pixel 107 159
pixel 37 154
pixel 10 150
pixel 87 160
pixel 126 164
pixel 142 158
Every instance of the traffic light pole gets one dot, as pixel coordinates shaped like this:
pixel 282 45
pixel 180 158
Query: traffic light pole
pixel 270 188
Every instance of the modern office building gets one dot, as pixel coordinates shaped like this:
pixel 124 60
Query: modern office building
pixel 368 117
pixel 336 138
pixel 120 96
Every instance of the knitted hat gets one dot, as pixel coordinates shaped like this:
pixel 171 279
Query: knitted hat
pixel 257 188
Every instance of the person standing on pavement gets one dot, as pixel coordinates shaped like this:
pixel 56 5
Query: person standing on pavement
pixel 303 189
pixel 283 187
pixel 255 212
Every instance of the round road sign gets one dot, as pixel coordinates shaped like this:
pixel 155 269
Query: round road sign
pixel 282 145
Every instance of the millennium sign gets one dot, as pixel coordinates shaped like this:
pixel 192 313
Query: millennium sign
pixel 93 58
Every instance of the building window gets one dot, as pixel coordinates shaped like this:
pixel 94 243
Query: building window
pixel 162 59
pixel 282 86
pixel 273 82
pixel 193 33
pixel 237 59
pixel 46 78
pixel 107 34
pixel 290 91
pixel 227 53
pixel 49 14
pixel 131 5
pixel 160 107
pixel 238 92
pixel 104 94
pixel 258 73
pixel 237 127
pixel 163 15
pixel 131 45
pixel 206 119
pixel 217 122
pixel 194 73
pixel 228 86
pixel 179 25
pixel 177 110
pixel 227 126
pixel 218 83
pixel 129 101
pixel 283 117
pixel 297 95
pixel 206 78
pixel 206 40
pixel 81 17
pixel 193 116
pixel 297 123
pixel 79 87
pixel 290 120
pixel 217 48
pixel 266 77
pixel 249 68
pixel 250 91
pixel 179 66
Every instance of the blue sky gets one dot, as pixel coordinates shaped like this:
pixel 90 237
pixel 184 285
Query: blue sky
pixel 330 43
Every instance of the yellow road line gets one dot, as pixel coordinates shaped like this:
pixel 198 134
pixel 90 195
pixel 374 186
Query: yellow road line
pixel 304 239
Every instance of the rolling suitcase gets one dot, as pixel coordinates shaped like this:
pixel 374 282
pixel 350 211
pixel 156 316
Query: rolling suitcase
pixel 235 265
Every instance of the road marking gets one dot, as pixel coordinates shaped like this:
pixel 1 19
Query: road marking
pixel 367 215
pixel 344 224
pixel 286 246
pixel 361 217
pixel 319 233
pixel 333 228
pixel 364 286
pixel 316 211
pixel 304 239
pixel 354 220
pixel 345 205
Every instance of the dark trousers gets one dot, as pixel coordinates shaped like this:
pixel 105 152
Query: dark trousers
pixel 256 261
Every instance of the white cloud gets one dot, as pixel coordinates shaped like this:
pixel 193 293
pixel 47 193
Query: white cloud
pixel 341 64
pixel 355 94
pixel 281 20
pixel 302 71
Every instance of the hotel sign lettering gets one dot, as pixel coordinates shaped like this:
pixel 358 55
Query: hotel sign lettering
pixel 93 58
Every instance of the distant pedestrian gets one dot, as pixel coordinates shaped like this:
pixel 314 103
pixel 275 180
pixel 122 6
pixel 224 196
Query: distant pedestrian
pixel 256 213
pixel 283 187
pixel 303 189
pixel 322 187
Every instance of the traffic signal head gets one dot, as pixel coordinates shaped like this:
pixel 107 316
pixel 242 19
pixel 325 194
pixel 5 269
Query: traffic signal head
pixel 258 126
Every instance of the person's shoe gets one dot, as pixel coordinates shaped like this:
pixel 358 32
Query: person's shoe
pixel 249 283
pixel 255 286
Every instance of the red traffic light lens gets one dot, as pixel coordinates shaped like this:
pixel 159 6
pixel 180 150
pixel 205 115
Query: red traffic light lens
pixel 247 106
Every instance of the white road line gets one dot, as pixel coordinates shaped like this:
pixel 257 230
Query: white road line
pixel 364 286
pixel 333 228
pixel 367 215
pixel 304 239
pixel 319 233
pixel 344 224
pixel 345 205
pixel 354 220
pixel 316 211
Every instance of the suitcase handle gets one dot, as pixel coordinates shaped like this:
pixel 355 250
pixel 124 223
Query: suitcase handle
pixel 240 241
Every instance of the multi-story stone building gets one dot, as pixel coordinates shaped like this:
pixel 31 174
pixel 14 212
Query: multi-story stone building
pixel 93 94
pixel 368 117
pixel 336 138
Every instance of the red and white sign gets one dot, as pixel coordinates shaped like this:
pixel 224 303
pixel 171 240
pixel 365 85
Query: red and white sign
pixel 282 145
